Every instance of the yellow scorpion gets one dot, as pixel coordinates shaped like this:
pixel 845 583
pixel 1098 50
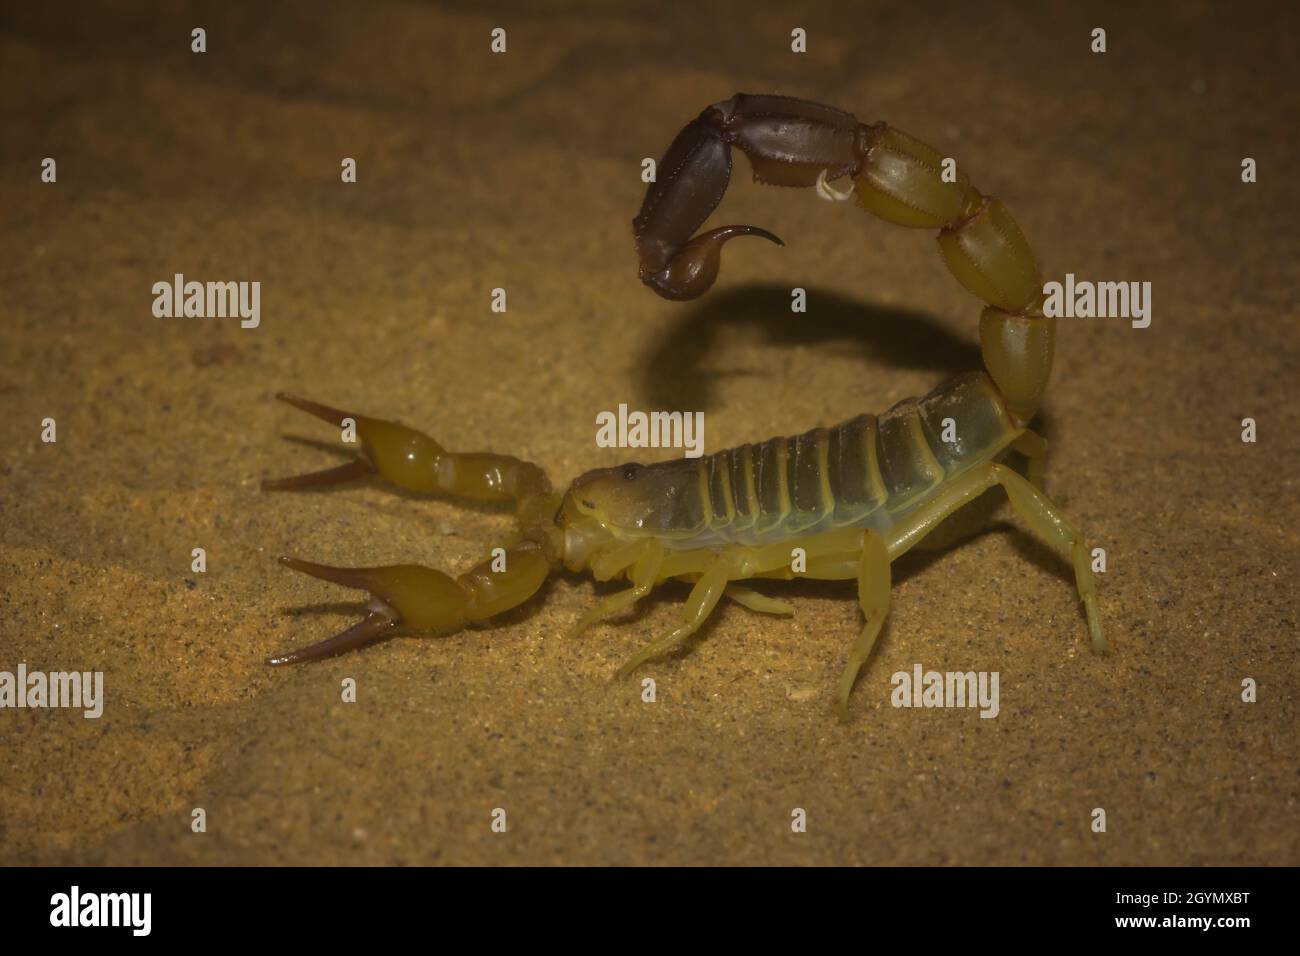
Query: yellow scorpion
pixel 853 497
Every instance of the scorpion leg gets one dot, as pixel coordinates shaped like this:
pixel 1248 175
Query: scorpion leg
pixel 413 597
pixel 646 558
pixel 757 601
pixel 1052 526
pixel 1042 516
pixel 748 598
pixel 1034 447
pixel 873 596
pixel 703 599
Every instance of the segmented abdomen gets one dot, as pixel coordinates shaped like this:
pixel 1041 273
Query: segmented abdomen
pixel 863 473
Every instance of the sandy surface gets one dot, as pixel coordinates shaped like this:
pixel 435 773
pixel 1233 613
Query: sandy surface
pixel 521 171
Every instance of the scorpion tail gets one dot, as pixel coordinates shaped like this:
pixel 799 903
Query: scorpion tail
pixel 693 269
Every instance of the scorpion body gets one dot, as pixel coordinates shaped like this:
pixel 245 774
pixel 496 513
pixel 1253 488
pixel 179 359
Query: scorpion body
pixel 852 498
pixel 868 472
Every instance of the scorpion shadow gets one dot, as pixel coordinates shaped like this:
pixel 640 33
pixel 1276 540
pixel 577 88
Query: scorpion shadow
pixel 886 335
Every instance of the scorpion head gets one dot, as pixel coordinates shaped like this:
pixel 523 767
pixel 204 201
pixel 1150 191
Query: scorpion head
pixel 602 502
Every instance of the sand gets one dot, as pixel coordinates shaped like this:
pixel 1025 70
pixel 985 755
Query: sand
pixel 521 171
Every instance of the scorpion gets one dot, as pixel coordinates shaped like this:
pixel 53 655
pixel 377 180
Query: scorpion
pixel 854 497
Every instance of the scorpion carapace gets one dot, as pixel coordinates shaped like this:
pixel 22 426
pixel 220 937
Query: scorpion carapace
pixel 851 498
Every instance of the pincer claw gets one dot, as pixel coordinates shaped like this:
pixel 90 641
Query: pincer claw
pixel 358 467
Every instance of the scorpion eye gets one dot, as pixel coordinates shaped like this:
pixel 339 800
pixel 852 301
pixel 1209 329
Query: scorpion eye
pixel 629 472
pixel 589 504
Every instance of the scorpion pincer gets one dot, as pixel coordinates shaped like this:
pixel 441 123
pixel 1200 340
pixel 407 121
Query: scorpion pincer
pixel 854 497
